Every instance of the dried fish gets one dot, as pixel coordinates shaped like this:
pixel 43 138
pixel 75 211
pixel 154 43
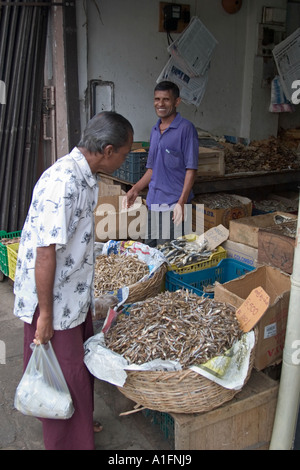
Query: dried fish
pixel 218 200
pixel 177 326
pixel 116 271
pixel 272 205
pixel 280 219
pixel 10 241
pixel 181 252
pixel 271 154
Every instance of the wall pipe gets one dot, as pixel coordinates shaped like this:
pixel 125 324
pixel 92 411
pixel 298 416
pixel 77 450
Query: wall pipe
pixel 287 409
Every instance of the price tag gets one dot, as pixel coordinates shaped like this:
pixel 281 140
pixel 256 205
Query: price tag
pixel 215 236
pixel 253 308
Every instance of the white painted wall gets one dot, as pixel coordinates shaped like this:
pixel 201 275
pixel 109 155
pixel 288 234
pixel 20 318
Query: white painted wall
pixel 125 47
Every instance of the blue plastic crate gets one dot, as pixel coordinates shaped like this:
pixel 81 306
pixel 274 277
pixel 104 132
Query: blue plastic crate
pixel 133 168
pixel 227 270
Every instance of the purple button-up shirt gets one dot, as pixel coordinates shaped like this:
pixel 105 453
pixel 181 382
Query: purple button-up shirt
pixel 170 155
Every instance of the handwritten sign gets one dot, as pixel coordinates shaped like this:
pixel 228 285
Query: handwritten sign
pixel 253 308
pixel 214 236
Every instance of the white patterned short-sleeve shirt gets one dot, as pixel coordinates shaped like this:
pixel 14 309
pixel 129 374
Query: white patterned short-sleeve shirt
pixel 61 213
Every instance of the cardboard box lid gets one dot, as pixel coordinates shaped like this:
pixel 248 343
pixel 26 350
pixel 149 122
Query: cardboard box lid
pixel 274 281
pixel 104 203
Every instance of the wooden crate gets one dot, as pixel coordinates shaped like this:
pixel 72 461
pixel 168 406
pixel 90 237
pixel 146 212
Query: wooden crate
pixel 276 246
pixel 211 162
pixel 244 423
pixel 245 230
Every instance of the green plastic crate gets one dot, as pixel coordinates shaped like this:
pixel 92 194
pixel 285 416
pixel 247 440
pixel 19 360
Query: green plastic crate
pixel 3 250
pixel 164 421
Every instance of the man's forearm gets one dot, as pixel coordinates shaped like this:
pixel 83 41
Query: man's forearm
pixel 44 277
pixel 45 267
pixel 178 213
pixel 144 181
pixel 189 180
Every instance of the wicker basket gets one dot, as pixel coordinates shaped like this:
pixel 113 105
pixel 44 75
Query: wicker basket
pixel 149 288
pixel 178 392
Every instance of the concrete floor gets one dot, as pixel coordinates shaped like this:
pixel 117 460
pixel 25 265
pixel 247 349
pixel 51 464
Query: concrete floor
pixel 133 432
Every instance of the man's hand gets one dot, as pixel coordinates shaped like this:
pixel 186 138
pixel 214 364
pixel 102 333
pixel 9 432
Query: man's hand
pixel 178 214
pixel 44 330
pixel 129 199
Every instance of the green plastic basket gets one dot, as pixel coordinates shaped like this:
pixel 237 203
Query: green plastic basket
pixel 3 250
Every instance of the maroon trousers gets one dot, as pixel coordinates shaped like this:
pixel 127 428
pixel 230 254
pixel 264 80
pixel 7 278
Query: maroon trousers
pixel 77 432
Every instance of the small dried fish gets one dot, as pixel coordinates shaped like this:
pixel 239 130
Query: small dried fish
pixel 181 252
pixel 177 326
pixel 10 241
pixel 116 271
pixel 280 219
pixel 217 200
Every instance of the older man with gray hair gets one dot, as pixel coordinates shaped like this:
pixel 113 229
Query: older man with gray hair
pixel 54 279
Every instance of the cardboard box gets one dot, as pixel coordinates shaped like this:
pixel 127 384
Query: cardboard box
pixel 106 189
pixel 114 223
pixel 272 326
pixel 243 253
pixel 205 218
pixel 244 423
pixel 246 230
pixel 276 246
pixel 211 162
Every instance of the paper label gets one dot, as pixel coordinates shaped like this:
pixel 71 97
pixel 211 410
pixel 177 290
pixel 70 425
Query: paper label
pixel 253 308
pixel 270 330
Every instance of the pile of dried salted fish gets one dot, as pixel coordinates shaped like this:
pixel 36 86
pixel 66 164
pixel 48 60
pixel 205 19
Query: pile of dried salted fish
pixel 217 200
pixel 271 205
pixel 115 271
pixel 178 326
pixel 10 241
pixel 181 252
pixel 264 155
pixel 286 229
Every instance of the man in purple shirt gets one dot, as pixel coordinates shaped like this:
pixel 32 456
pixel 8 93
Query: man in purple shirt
pixel 171 167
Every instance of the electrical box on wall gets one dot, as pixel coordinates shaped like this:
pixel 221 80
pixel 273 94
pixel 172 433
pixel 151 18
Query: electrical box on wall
pixel 173 17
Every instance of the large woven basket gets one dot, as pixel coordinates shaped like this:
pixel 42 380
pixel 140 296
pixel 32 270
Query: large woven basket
pixel 150 288
pixel 178 392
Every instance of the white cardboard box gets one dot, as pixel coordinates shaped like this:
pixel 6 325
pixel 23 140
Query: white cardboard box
pixel 240 252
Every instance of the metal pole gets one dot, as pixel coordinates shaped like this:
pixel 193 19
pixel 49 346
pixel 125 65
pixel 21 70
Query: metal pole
pixel 289 389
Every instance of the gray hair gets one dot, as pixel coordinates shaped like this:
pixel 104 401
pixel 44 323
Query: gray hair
pixel 106 128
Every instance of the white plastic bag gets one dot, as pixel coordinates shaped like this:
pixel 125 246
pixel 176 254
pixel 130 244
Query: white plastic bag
pixel 43 391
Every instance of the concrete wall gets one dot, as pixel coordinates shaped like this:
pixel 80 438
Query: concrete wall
pixel 119 41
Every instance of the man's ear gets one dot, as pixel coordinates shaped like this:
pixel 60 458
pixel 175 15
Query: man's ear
pixel 178 101
pixel 108 150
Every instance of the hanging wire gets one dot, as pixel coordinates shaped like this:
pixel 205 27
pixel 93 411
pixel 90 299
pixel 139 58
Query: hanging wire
pixel 169 38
